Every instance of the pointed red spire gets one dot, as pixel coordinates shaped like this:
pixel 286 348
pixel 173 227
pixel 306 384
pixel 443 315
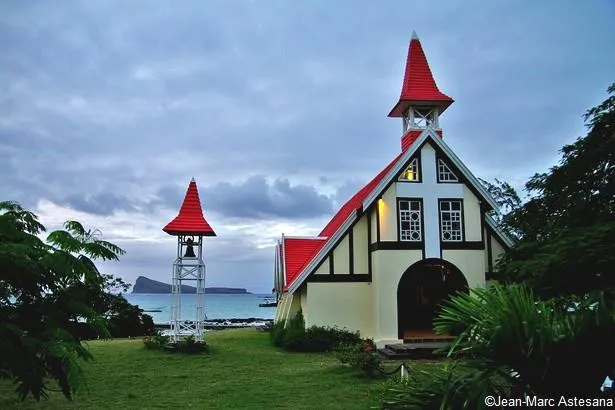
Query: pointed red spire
pixel 419 85
pixel 190 220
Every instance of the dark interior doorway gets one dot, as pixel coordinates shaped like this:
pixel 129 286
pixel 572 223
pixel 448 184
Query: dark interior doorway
pixel 422 290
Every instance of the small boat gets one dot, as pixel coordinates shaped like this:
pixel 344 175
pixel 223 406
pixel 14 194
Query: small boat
pixel 268 303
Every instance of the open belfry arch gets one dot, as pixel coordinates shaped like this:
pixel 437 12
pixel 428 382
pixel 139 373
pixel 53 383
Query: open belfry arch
pixel 190 228
pixel 424 210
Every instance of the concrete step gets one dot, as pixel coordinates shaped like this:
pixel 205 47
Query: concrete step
pixel 422 350
pixel 388 353
pixel 429 339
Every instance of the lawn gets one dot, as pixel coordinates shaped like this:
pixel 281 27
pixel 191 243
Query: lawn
pixel 243 371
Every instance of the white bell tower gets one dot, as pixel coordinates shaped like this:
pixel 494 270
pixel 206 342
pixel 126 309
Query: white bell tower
pixel 190 228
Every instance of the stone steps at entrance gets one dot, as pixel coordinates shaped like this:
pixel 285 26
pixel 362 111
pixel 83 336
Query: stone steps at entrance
pixel 416 348
pixel 429 339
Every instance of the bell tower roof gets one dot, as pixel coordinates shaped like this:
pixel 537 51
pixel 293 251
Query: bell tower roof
pixel 419 86
pixel 190 220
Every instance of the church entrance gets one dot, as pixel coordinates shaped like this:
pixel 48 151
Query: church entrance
pixel 422 290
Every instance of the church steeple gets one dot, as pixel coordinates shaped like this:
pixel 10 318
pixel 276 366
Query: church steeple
pixel 421 102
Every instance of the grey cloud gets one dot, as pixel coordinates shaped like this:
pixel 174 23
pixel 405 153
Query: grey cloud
pixel 103 99
pixel 99 204
pixel 348 189
pixel 256 198
pixel 170 196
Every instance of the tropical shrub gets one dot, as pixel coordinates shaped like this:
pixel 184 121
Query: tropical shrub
pixel 156 342
pixel 294 333
pixel 324 339
pixel 277 333
pixel 361 356
pixel 127 320
pixel 189 345
pixel 514 345
pixel 294 336
pixel 439 386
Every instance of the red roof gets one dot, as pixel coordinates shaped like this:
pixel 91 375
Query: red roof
pixel 419 85
pixel 355 202
pixel 297 253
pixel 190 220
pixel 300 252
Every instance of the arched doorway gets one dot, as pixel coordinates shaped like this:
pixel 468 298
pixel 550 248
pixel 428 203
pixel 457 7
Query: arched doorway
pixel 422 290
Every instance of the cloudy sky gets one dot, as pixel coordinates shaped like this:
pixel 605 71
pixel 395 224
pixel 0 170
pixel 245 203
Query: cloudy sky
pixel 277 108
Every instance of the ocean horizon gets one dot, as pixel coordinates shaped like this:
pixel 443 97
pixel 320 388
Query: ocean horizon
pixel 217 306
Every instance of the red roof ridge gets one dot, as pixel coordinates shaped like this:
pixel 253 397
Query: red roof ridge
pixel 419 84
pixel 190 219
pixel 298 252
pixel 302 253
pixel 303 237
pixel 355 202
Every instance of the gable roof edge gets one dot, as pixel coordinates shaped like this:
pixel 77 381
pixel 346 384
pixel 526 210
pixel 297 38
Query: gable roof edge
pixel 318 238
pixel 283 256
pixel 493 225
pixel 467 173
pixel 429 133
pixel 317 259
pixel 395 170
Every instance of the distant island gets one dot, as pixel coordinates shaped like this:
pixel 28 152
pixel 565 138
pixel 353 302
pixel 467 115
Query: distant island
pixel 146 285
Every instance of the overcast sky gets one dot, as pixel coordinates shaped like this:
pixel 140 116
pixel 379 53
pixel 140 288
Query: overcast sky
pixel 277 108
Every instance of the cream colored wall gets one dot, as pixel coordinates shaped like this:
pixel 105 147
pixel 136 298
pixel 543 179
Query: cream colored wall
pixel 471 215
pixel 486 235
pixel 323 268
pixel 303 302
pixel 388 267
pixel 470 262
pixel 295 305
pixel 374 227
pixel 351 304
pixel 341 257
pixel 288 306
pixel 281 308
pixel 387 207
pixel 359 244
pixel 496 250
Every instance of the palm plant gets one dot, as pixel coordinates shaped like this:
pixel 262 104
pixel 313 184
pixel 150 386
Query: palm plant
pixel 510 344
pixel 536 347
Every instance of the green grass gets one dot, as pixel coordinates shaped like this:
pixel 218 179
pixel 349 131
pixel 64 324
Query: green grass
pixel 242 371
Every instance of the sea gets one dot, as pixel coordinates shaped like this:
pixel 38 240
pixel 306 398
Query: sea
pixel 219 306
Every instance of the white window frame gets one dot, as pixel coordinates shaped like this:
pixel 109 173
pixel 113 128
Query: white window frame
pixel 449 218
pixel 445 174
pixel 413 215
pixel 414 168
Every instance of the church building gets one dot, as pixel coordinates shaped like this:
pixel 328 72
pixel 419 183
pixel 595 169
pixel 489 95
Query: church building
pixel 417 232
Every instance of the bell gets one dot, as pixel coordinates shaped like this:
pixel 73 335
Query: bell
pixel 189 249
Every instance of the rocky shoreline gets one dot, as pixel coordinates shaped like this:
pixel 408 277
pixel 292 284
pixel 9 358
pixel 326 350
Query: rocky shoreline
pixel 219 324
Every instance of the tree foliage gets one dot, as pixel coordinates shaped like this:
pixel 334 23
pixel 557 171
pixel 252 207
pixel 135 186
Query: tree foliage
pixel 509 201
pixel 47 287
pixel 512 344
pixel 530 344
pixel 565 228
